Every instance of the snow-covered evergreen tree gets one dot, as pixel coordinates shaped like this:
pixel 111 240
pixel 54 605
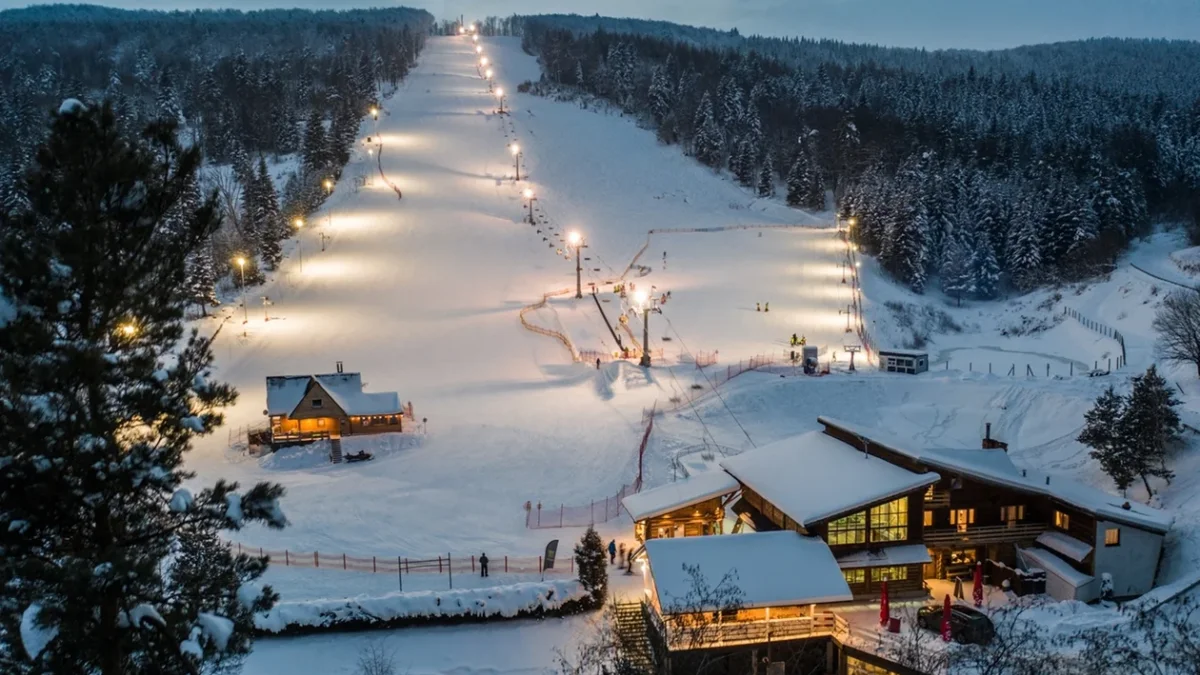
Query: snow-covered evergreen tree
pixel 167 101
pixel 766 177
pixel 201 277
pixel 1151 425
pixel 269 223
pixel 316 146
pixel 95 436
pixel 592 564
pixel 985 270
pixel 956 273
pixel 709 142
pixel 1104 432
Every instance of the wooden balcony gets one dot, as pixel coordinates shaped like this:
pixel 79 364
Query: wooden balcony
pixel 937 499
pixel 715 634
pixel 987 534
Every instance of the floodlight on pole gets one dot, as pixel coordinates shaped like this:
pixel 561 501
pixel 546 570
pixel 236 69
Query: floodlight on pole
pixel 516 153
pixel 644 303
pixel 529 197
pixel 478 49
pixel 245 311
pixel 299 223
pixel 328 192
pixel 500 95
pixel 483 61
pixel 577 242
pixel 128 329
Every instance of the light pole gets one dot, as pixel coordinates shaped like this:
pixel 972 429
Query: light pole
pixel 375 116
pixel 329 222
pixel 299 223
pixel 266 303
pixel 478 49
pixel 500 95
pixel 516 153
pixel 528 194
pixel 843 271
pixel 489 78
pixel 245 310
pixel 645 303
pixel 577 241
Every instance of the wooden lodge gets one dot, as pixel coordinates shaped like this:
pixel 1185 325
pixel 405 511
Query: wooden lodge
pixel 830 515
pixel 305 408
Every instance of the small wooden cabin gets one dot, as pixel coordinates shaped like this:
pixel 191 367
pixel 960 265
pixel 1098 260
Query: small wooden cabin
pixel 908 361
pixel 305 408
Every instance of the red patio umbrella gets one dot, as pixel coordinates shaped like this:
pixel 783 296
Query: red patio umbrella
pixel 946 619
pixel 977 592
pixel 884 611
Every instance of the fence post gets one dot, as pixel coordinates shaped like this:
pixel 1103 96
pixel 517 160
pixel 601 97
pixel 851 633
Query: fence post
pixel 316 559
pixel 506 564
pixel 1047 370
pixel 472 563
pixel 260 552
pixel 343 561
pixel 439 564
pixel 450 571
pixel 374 567
pixel 1110 363
pixel 592 512
pixel 562 507
pixel 286 562
pixel 239 548
pixel 400 572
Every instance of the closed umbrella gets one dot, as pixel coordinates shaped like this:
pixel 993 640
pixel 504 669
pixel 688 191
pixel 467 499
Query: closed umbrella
pixel 977 591
pixel 946 619
pixel 884 610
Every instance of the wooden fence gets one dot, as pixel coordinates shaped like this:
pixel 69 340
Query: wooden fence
pixel 1103 329
pixel 400 566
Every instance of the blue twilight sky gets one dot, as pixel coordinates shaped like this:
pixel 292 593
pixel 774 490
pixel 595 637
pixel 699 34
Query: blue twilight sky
pixel 977 24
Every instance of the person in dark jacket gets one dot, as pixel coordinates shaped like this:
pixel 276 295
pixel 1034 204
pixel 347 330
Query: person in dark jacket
pixel 483 561
pixel 612 552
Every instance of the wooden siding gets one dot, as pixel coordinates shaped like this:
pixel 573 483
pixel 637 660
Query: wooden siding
pixel 305 408
pixel 867 589
pixel 693 520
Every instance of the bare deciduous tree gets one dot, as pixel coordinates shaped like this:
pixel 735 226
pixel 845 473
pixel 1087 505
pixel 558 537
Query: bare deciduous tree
pixel 1178 326
pixel 375 659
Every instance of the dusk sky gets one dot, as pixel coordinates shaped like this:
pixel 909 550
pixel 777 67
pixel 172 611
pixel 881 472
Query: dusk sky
pixel 978 24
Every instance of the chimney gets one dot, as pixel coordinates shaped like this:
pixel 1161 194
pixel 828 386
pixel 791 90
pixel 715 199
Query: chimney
pixel 1047 480
pixel 987 433
pixel 339 366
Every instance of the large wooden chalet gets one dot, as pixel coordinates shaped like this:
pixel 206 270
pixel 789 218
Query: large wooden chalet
pixel 310 407
pixel 848 507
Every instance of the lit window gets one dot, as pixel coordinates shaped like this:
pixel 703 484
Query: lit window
pixel 1062 520
pixel 320 421
pixel 849 530
pixel 961 518
pixel 317 402
pixel 929 519
pixel 889 522
pixel 1112 537
pixel 1012 513
pixel 892 573
pixel 855 576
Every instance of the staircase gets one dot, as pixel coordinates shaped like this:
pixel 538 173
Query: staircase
pixel 335 450
pixel 632 630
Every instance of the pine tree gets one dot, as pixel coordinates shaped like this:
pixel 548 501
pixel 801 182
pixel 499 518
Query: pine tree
pixel 201 279
pixel 1151 425
pixel 709 141
pixel 1103 432
pixel 660 94
pixel 316 146
pixel 956 269
pixel 592 564
pixel 766 177
pixel 96 435
pixel 985 270
pixel 796 181
pixel 744 162
pixel 167 101
pixel 270 225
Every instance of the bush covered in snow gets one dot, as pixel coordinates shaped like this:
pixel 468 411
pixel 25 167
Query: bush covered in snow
pixel 395 610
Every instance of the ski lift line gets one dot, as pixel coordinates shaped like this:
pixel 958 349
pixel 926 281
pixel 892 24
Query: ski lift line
pixel 710 384
pixel 692 404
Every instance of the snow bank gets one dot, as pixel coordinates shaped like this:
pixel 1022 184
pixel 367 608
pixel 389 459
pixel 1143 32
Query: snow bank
pixel 71 105
pixel 34 637
pixel 396 609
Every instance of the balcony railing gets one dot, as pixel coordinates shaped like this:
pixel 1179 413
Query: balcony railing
pixel 681 636
pixel 938 499
pixel 987 534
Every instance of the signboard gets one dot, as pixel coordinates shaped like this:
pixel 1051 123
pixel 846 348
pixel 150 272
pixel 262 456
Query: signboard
pixel 551 550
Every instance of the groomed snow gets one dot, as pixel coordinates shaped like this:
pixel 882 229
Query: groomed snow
pixel 814 477
pixel 1066 545
pixel 890 556
pixel 771 569
pixel 667 498
pixel 495 601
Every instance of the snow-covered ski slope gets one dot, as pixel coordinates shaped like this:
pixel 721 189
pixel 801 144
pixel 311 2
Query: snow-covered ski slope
pixel 422 296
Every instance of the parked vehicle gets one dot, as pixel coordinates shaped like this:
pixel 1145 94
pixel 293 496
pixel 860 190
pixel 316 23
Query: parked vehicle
pixel 967 624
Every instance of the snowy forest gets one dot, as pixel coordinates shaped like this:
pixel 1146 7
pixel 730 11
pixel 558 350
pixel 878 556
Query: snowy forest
pixel 975 170
pixel 244 88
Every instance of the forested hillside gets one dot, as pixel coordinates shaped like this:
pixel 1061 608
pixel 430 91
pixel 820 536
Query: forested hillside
pixel 974 168
pixel 244 88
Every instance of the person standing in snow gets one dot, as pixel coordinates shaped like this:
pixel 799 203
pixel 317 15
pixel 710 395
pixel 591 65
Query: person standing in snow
pixel 597 363
pixel 621 553
pixel 612 552
pixel 766 306
pixel 758 306
pixel 483 561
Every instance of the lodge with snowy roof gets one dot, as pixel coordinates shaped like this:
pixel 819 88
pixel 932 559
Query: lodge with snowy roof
pixel 306 408
pixel 825 517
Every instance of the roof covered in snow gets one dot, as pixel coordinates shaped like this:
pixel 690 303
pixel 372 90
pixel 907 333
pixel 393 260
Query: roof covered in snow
pixel 771 569
pixel 285 393
pixel 1052 564
pixel 672 496
pixel 814 477
pixel 996 467
pixel 909 554
pixel 904 352
pixel 1065 544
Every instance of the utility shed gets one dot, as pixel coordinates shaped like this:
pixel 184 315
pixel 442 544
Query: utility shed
pixel 688 508
pixel 908 361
